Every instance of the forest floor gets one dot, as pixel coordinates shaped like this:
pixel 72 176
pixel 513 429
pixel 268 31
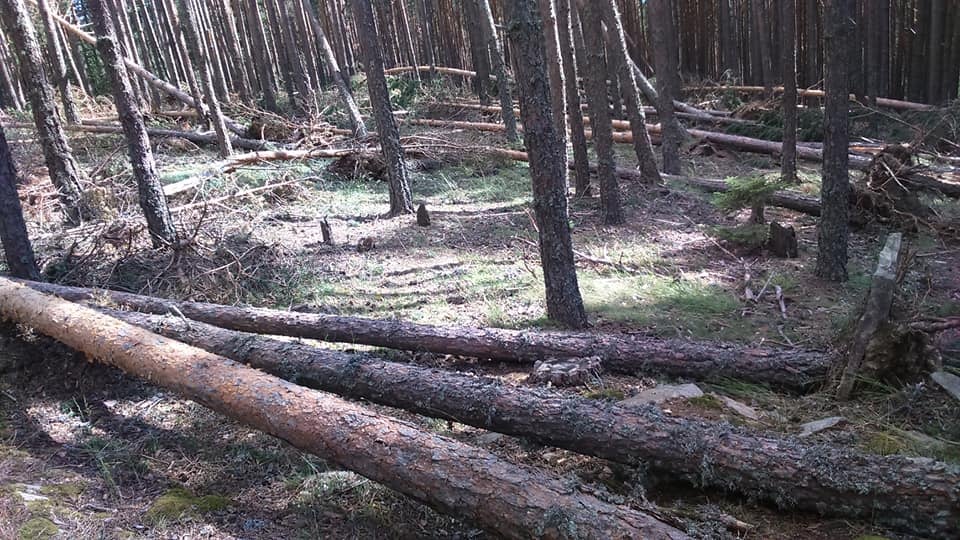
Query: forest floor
pixel 93 453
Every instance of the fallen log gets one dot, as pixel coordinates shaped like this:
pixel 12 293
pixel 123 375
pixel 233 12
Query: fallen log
pixel 892 489
pixel 192 136
pixel 884 102
pixel 617 124
pixel 793 369
pixel 434 69
pixel 511 500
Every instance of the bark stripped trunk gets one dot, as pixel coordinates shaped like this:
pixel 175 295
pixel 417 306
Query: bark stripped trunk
pixel 832 231
pixel 56 150
pixel 13 230
pixel 511 500
pixel 150 190
pixel 547 167
pixel 400 198
pixel 600 121
pixel 793 369
pixel 642 435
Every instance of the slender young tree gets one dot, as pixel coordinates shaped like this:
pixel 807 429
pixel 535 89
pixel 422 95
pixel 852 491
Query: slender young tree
pixel 188 23
pixel 13 230
pixel 617 53
pixel 788 164
pixel 56 150
pixel 400 199
pixel 339 79
pixel 668 81
pixel 832 231
pixel 152 200
pixel 564 303
pixel 499 68
pixel 595 73
pixel 581 160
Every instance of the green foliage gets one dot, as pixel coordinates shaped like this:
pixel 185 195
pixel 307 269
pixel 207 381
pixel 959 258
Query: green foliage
pixel 746 192
pixel 747 235
pixel 768 125
pixel 403 92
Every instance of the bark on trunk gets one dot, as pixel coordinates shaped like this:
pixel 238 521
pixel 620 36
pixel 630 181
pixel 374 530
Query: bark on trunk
pixel 832 231
pixel 58 65
pixel 56 150
pixel 665 62
pixel 793 369
pixel 150 190
pixel 617 53
pixel 500 68
pixel 578 140
pixel 400 198
pixel 13 230
pixel 602 130
pixel 261 56
pixel 551 37
pixel 642 435
pixel 511 500
pixel 200 60
pixel 547 167
pixel 339 79
pixel 788 164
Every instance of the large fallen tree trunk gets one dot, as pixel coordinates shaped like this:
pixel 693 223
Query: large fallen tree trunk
pixel 794 369
pixel 883 102
pixel 512 500
pixel 151 79
pixel 893 489
pixel 192 136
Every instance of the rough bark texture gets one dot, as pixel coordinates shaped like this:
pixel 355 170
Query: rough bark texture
pixel 261 56
pixel 665 64
pixel 832 230
pixel 479 51
pixel 707 454
pixel 617 53
pixel 500 69
pixel 551 40
pixel 547 167
pixel 788 164
pixel 793 369
pixel 400 198
pixel 57 64
pixel 56 150
pixel 150 190
pixel 199 57
pixel 595 74
pixel 511 500
pixel 581 160
pixel 339 80
pixel 13 231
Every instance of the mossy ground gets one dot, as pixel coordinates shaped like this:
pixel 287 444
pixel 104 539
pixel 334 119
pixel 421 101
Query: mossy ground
pixel 133 461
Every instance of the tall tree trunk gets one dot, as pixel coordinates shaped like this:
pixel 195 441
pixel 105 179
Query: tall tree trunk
pixel 788 164
pixel 600 121
pixel 400 199
pixel 199 58
pixel 57 63
pixel 295 55
pixel 581 159
pixel 663 30
pixel 339 78
pixel 761 22
pixel 178 34
pixel 500 69
pixel 512 501
pixel 544 149
pixel 548 14
pixel 426 26
pixel 9 89
pixel 479 52
pixel 150 190
pixel 261 56
pixel 832 230
pixel 56 150
pixel 617 53
pixel 13 230
pixel 408 39
pixel 812 41
pixel 935 65
pixel 241 76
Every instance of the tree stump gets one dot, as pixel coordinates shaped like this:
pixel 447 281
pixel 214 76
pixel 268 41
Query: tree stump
pixel 326 233
pixel 423 216
pixel 782 241
pixel 566 371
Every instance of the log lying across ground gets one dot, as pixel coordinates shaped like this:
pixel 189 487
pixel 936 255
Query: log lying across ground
pixel 883 102
pixel 794 369
pixel 900 492
pixel 512 500
pixel 192 136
